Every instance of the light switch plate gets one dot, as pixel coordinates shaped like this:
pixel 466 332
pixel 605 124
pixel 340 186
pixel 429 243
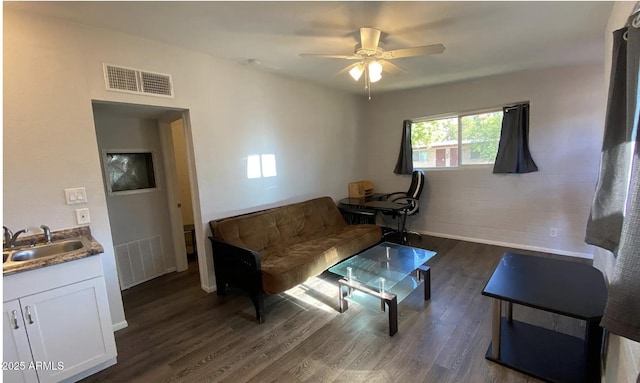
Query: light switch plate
pixel 82 216
pixel 75 195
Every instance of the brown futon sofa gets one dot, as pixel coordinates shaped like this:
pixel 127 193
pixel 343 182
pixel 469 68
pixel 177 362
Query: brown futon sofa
pixel 274 250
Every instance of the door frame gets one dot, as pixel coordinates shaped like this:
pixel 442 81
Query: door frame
pixel 175 216
pixel 205 265
pixel 164 115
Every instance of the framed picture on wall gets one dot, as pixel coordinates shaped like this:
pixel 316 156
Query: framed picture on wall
pixel 129 171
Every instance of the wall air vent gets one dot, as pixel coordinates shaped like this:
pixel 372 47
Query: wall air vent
pixel 130 80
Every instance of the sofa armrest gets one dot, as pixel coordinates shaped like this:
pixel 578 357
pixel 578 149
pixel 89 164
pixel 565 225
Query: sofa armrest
pixel 239 267
pixel 235 265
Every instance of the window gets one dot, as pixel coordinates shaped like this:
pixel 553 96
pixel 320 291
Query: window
pixel 420 157
pixel 129 171
pixel 470 139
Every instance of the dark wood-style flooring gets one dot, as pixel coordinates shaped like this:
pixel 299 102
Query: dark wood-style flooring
pixel 179 333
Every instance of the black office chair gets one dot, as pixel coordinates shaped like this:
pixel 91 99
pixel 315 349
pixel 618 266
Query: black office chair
pixel 411 198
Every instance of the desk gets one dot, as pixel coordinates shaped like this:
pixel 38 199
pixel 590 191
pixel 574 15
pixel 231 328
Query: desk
pixel 371 207
pixel 373 204
pixel 567 288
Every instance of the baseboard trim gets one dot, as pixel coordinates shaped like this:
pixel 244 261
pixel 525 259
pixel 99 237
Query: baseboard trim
pixel 92 370
pixel 170 270
pixel 507 244
pixel 208 289
pixel 120 325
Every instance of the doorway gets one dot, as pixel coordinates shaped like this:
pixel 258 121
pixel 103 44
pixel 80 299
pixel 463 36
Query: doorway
pixel 148 222
pixel 179 145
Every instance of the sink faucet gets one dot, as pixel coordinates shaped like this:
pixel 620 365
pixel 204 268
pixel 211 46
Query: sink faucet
pixel 11 238
pixel 47 233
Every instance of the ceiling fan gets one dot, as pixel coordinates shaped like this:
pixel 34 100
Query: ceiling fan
pixel 372 59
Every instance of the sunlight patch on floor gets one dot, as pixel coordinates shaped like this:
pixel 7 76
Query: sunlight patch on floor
pixel 317 293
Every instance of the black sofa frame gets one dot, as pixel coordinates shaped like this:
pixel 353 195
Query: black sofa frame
pixel 239 267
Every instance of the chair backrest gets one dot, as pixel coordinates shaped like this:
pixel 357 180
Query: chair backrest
pixel 417 184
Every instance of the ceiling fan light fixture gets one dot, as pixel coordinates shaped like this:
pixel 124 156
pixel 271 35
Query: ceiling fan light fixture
pixel 374 71
pixel 375 67
pixel 375 76
pixel 356 72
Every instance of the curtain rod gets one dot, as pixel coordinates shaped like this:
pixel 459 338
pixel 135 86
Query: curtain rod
pixel 635 22
pixel 516 105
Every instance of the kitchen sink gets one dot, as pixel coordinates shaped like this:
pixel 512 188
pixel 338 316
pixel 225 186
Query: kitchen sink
pixel 46 250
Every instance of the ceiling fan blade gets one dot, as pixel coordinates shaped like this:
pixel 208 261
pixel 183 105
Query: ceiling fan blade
pixel 369 38
pixel 433 49
pixel 390 67
pixel 329 56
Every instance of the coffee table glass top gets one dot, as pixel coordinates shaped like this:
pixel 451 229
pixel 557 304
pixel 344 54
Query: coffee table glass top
pixel 395 263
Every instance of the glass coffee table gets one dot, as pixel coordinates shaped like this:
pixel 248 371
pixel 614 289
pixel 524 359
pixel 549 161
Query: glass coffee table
pixel 383 275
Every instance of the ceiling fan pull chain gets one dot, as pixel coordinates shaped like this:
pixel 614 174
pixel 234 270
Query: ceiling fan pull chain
pixel 367 80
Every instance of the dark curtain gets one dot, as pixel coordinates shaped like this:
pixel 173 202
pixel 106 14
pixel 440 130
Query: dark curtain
pixel 405 157
pixel 513 151
pixel 605 219
pixel 622 313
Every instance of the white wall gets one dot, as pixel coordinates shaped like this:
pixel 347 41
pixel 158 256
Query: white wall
pixel 138 216
pixel 517 210
pixel 52 71
pixel 622 355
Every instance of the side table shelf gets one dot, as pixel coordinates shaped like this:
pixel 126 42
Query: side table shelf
pixel 544 353
pixel 572 289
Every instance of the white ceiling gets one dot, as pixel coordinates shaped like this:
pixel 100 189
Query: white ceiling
pixel 481 38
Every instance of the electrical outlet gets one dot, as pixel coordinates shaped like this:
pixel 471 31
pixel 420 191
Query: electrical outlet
pixel 553 232
pixel 75 195
pixel 82 216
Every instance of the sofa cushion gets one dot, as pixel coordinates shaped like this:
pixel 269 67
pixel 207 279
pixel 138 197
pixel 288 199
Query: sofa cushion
pixel 285 267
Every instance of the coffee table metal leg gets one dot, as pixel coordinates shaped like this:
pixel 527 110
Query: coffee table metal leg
pixel 386 298
pixel 509 311
pixel 343 302
pixel 424 272
pixel 393 315
pixel 495 329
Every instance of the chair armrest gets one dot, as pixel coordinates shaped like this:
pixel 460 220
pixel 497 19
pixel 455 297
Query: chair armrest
pixel 415 204
pixel 391 197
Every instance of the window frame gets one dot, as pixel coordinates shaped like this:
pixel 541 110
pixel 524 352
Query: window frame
pixel 458 116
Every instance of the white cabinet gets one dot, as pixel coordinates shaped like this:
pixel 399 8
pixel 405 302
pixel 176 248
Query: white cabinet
pixel 58 334
pixel 16 349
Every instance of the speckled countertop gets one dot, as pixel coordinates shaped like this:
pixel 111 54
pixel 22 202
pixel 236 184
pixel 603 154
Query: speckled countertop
pixel 84 232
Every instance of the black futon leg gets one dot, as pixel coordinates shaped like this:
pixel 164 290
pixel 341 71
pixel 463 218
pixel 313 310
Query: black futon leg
pixel 221 287
pixel 258 303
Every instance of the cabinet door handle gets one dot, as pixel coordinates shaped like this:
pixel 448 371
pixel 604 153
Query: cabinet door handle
pixel 29 320
pixel 14 319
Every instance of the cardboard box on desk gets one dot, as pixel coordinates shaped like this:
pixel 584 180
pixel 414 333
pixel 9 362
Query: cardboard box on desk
pixel 361 189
